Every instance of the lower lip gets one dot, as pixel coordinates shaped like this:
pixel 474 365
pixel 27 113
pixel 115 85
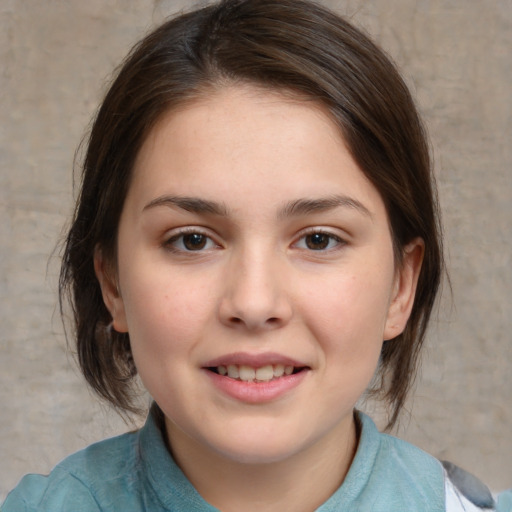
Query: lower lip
pixel 256 392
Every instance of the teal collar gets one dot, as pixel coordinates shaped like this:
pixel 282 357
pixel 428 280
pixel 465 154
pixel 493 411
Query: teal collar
pixel 386 474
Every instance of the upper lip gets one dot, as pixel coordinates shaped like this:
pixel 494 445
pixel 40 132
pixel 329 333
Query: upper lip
pixel 253 360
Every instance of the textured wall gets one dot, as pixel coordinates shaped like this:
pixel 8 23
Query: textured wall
pixel 56 58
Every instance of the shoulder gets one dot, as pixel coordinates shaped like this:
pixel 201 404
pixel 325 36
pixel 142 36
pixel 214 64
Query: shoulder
pixel 409 466
pixel 77 482
pixel 390 474
pixel 56 492
pixel 462 491
pixel 409 477
pixel 103 461
pixel 505 501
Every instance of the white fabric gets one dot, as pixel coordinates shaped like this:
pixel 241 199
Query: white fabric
pixel 456 502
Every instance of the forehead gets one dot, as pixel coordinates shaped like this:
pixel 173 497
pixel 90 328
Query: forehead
pixel 241 114
pixel 248 142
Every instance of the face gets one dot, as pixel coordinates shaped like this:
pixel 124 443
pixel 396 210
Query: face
pixel 255 275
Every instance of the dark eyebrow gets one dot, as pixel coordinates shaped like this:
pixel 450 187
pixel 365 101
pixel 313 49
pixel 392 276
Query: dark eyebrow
pixel 308 206
pixel 297 207
pixel 190 204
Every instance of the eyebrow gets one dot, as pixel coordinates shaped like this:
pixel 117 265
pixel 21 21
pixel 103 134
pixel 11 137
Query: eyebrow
pixel 303 206
pixel 308 206
pixel 190 204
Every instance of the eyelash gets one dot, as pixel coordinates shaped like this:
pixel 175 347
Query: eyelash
pixel 171 243
pixel 330 236
pixel 209 243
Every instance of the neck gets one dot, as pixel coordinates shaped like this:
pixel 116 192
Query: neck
pixel 301 482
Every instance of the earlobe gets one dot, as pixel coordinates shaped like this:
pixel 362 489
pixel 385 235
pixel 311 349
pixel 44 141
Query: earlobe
pixel 110 291
pixel 404 289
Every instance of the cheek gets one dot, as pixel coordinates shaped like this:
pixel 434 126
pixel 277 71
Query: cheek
pixel 352 303
pixel 165 313
pixel 165 327
pixel 348 315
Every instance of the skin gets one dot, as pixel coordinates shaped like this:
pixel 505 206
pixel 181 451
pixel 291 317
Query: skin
pixel 271 275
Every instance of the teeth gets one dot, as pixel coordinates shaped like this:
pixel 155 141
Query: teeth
pixel 265 373
pixel 233 371
pixel 247 373
pixel 278 370
pixel 250 374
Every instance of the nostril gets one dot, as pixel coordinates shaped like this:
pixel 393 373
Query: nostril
pixel 270 322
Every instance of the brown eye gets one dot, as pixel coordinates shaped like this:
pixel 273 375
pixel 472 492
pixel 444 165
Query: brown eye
pixel 194 241
pixel 317 241
pixel 189 241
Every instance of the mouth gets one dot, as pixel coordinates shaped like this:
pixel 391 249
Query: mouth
pixel 265 373
pixel 256 378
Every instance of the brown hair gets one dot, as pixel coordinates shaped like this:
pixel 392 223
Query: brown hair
pixel 291 45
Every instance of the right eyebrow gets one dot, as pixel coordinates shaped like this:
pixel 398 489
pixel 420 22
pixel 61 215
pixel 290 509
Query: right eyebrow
pixel 189 204
pixel 307 206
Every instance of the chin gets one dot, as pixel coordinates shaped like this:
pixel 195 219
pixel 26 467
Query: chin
pixel 259 447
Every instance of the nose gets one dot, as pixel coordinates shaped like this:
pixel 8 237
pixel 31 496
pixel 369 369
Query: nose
pixel 255 296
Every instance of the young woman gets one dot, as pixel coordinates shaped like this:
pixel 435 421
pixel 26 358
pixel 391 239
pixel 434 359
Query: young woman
pixel 257 239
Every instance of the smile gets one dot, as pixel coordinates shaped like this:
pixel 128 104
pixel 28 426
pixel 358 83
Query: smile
pixel 247 373
pixel 255 378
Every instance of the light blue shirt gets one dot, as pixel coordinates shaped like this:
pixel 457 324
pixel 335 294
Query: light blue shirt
pixel 135 472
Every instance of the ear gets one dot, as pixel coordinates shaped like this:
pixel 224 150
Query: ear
pixel 110 291
pixel 404 289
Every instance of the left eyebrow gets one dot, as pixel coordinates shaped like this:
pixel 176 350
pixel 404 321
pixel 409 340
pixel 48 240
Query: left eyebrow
pixel 307 206
pixel 189 204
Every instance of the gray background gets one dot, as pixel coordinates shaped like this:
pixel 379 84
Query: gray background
pixel 55 60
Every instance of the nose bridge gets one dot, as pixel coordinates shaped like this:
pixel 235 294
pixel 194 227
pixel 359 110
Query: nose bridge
pixel 255 294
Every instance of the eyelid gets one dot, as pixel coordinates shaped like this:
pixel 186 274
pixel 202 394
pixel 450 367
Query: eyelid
pixel 175 234
pixel 341 240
